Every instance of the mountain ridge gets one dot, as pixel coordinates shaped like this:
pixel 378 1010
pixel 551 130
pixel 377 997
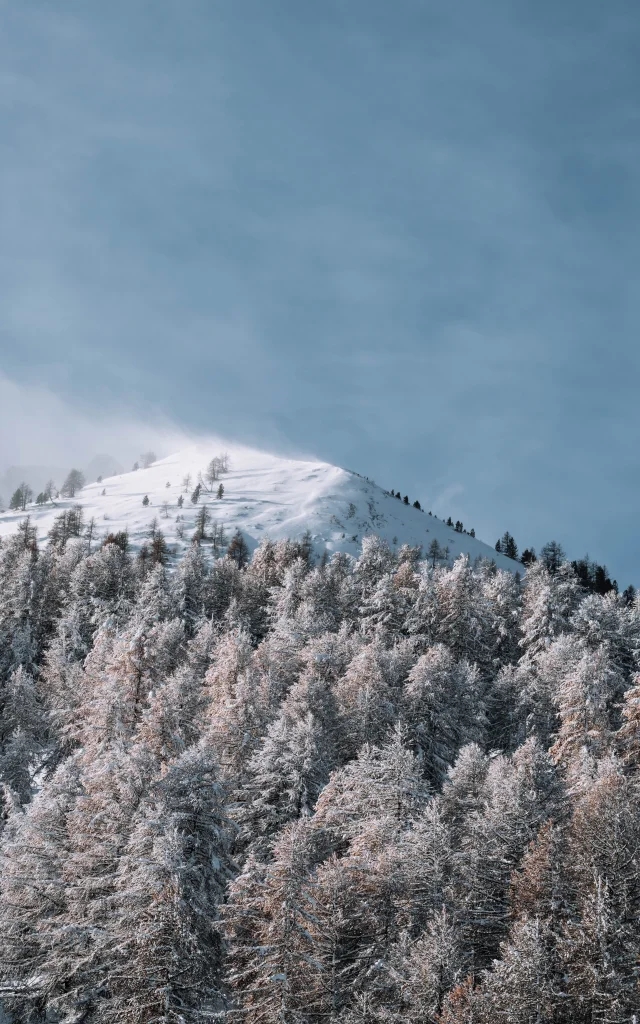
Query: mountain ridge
pixel 265 495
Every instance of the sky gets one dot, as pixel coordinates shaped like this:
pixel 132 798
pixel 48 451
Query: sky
pixel 397 236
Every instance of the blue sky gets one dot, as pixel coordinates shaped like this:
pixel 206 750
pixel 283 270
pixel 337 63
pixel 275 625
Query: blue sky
pixel 402 237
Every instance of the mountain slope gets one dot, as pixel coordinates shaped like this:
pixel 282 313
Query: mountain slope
pixel 265 496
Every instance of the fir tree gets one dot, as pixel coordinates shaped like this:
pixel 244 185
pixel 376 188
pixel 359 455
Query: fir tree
pixel 167 955
pixel 238 550
pixel 73 483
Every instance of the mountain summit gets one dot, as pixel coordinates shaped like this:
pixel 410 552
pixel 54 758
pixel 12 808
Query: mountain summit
pixel 263 495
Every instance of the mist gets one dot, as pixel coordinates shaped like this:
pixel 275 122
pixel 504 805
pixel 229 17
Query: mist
pixel 37 427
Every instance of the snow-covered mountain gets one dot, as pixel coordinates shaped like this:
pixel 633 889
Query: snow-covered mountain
pixel 264 496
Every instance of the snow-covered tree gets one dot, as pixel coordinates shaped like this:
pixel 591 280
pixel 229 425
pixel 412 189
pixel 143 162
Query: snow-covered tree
pixel 267 922
pixel 165 952
pixel 443 710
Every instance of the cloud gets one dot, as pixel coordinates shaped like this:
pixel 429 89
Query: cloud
pixel 39 427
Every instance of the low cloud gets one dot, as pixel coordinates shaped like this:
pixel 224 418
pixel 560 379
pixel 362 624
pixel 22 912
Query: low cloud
pixel 37 427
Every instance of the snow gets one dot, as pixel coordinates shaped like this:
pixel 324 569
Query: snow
pixel 264 496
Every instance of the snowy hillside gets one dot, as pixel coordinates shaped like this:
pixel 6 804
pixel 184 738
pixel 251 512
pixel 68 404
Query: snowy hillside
pixel 264 496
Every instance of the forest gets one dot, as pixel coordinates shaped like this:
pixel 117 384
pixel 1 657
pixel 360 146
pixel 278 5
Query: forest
pixel 297 789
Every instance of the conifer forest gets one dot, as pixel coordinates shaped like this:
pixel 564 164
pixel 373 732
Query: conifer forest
pixel 292 789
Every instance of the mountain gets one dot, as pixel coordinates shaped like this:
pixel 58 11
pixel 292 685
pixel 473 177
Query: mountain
pixel 102 465
pixel 264 496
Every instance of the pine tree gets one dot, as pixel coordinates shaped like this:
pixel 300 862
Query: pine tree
pixel 267 924
pixel 549 600
pixel 74 482
pixel 519 794
pixel 552 556
pixel 32 898
pixel 203 519
pixel 381 783
pixel 238 550
pixel 289 770
pixel 166 953
pixel 190 587
pixel 21 497
pixel 518 988
pixel 508 545
pixel 628 736
pixel 428 967
pixel 443 710
pixel 585 704
pixel 366 700
pixel 461 613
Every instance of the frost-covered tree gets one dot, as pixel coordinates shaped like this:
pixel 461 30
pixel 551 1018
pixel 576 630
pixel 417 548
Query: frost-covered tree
pixel 165 951
pixel 518 989
pixel 549 599
pixel 366 700
pixel 413 765
pixel 291 766
pixel 382 782
pixel 443 710
pixel 267 925
pixel 586 706
pixel 461 612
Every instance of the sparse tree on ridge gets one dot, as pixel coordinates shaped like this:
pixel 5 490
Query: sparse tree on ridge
pixel 212 472
pixel 73 483
pixel 220 492
pixel 552 556
pixel 508 546
pixel 202 521
pixel 21 497
pixel 147 459
pixel 434 552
